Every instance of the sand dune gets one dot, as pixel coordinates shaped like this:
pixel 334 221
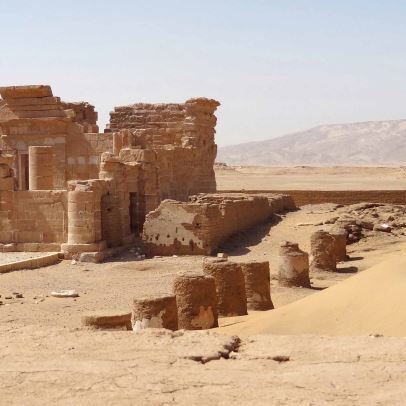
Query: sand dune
pixel 371 302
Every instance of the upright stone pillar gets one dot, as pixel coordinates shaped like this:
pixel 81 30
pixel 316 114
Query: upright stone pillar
pixel 41 168
pixel 81 217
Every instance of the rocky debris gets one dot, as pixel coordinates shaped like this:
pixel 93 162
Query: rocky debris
pixel 364 219
pixel 383 227
pixel 65 293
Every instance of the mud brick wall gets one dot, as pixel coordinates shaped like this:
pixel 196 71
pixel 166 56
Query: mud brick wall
pixel 33 217
pixel 201 225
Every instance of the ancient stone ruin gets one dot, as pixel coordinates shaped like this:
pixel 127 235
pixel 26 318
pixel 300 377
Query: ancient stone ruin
pixel 66 187
pixel 293 265
pixel 202 224
pixel 323 251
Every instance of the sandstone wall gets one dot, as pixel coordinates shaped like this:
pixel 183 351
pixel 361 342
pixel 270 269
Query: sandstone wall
pixel 84 114
pixel 201 225
pixel 33 217
pixel 182 136
pixel 83 152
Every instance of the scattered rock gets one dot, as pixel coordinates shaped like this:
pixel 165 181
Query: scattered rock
pixel 65 293
pixel 383 227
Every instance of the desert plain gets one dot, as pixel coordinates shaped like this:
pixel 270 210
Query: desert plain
pixel 340 342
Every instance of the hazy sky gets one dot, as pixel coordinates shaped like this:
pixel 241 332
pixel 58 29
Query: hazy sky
pixel 275 66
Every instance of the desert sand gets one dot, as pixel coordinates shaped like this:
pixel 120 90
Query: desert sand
pixel 368 303
pixel 311 178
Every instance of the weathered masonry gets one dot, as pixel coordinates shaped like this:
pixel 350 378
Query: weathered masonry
pixel 65 186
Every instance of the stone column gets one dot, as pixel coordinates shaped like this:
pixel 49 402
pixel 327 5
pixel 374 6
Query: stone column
pixel 196 300
pixel 322 246
pixel 81 217
pixel 257 285
pixel 230 287
pixel 41 168
pixel 340 245
pixel 293 265
pixel 155 312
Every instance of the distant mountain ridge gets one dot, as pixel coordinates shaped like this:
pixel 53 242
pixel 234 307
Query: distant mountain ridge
pixel 372 142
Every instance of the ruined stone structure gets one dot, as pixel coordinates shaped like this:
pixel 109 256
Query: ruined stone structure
pixel 154 312
pixel 207 220
pixel 64 186
pixel 322 246
pixel 230 286
pixel 340 243
pixel 293 265
pixel 196 300
pixel 182 136
pixel 257 285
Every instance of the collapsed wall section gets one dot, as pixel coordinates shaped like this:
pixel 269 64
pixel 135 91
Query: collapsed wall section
pixel 201 225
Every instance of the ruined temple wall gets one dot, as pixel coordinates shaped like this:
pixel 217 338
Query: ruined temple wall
pixel 33 217
pixel 83 152
pixel 182 136
pixel 200 226
pixel 84 114
pixel 19 135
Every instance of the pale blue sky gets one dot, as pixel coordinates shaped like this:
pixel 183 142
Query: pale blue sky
pixel 276 66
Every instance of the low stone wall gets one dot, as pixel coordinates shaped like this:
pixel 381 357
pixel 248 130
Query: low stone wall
pixel 303 197
pixel 31 263
pixel 201 225
pixel 33 217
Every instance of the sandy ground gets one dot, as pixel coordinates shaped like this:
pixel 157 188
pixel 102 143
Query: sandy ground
pixel 46 357
pixel 311 178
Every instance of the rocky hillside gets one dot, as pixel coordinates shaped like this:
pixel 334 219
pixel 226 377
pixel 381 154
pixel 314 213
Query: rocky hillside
pixel 374 142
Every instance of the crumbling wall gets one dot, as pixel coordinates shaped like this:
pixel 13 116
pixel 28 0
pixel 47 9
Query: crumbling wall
pixel 84 114
pixel 201 225
pixel 182 136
